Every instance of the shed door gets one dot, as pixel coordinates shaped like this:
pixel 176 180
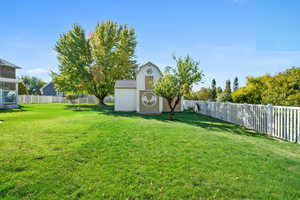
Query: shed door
pixel 149 102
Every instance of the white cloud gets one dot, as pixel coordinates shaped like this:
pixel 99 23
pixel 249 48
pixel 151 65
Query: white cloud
pixel 37 71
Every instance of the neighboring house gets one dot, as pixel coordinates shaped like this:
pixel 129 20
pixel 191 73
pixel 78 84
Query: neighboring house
pixel 49 90
pixel 137 95
pixel 8 84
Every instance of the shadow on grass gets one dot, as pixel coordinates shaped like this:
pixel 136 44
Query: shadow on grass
pixel 190 118
pixel 12 110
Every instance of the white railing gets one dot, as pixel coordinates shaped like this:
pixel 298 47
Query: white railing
pixel 278 121
pixel 28 99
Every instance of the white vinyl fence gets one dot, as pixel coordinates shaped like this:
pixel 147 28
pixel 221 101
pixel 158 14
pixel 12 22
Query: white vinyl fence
pixel 28 99
pixel 278 121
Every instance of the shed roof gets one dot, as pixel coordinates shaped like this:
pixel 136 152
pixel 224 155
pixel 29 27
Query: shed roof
pixel 149 64
pixel 8 64
pixel 125 84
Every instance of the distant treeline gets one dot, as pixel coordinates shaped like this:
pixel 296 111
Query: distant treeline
pixel 280 89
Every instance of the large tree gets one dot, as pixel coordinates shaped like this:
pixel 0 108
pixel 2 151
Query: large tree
pixel 178 81
pixel 74 56
pixel 92 65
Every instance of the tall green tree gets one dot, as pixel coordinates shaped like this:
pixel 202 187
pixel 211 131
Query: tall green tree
pixel 235 84
pixel 213 91
pixel 113 51
pixel 92 65
pixel 227 92
pixel 32 84
pixel 178 81
pixel 22 90
pixel 75 59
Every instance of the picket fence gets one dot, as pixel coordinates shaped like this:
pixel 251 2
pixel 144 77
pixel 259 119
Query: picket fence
pixel 278 121
pixel 28 99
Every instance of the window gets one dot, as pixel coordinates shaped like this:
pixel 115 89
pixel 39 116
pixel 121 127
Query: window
pixel 7 86
pixel 9 97
pixel 148 82
pixel 8 94
pixel 7 72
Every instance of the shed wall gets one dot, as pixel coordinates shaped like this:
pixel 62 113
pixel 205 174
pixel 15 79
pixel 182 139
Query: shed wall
pixel 125 99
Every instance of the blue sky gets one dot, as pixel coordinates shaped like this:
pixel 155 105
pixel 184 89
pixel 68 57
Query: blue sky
pixel 229 37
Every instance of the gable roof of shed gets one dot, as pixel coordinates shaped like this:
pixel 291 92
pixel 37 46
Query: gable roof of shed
pixel 149 64
pixel 125 84
pixel 8 64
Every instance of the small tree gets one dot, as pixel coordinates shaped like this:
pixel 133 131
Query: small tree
pixel 235 84
pixel 213 91
pixel 219 90
pixel 178 82
pixel 227 92
pixel 22 90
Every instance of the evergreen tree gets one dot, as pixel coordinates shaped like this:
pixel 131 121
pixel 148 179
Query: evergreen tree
pixel 236 84
pixel 213 91
pixel 219 90
pixel 227 92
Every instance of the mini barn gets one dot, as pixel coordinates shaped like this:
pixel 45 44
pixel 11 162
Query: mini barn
pixel 137 95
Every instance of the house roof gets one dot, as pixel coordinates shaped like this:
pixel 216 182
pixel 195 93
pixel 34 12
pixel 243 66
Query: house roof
pixel 46 84
pixel 149 64
pixel 125 84
pixel 8 64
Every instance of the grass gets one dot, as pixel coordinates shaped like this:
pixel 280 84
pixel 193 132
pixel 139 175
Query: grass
pixel 53 152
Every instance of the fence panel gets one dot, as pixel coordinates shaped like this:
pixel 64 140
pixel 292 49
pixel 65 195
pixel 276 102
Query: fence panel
pixel 28 99
pixel 278 121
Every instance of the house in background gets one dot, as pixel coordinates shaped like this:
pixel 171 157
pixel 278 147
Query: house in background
pixel 49 90
pixel 137 95
pixel 8 85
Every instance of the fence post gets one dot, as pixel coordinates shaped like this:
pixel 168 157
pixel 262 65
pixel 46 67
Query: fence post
pixel 269 118
pixel 298 127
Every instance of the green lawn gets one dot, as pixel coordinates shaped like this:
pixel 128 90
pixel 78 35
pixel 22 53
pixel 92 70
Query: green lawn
pixel 53 152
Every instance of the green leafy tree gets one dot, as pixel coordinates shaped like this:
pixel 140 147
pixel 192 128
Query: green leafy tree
pixel 22 90
pixel 235 84
pixel 74 56
pixel 252 93
pixel 177 82
pixel 92 65
pixel 282 88
pixel 203 94
pixel 32 84
pixel 213 91
pixel 113 51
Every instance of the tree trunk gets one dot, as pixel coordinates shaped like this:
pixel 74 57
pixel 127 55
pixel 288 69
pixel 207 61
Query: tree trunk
pixel 101 101
pixel 171 115
pixel 172 110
